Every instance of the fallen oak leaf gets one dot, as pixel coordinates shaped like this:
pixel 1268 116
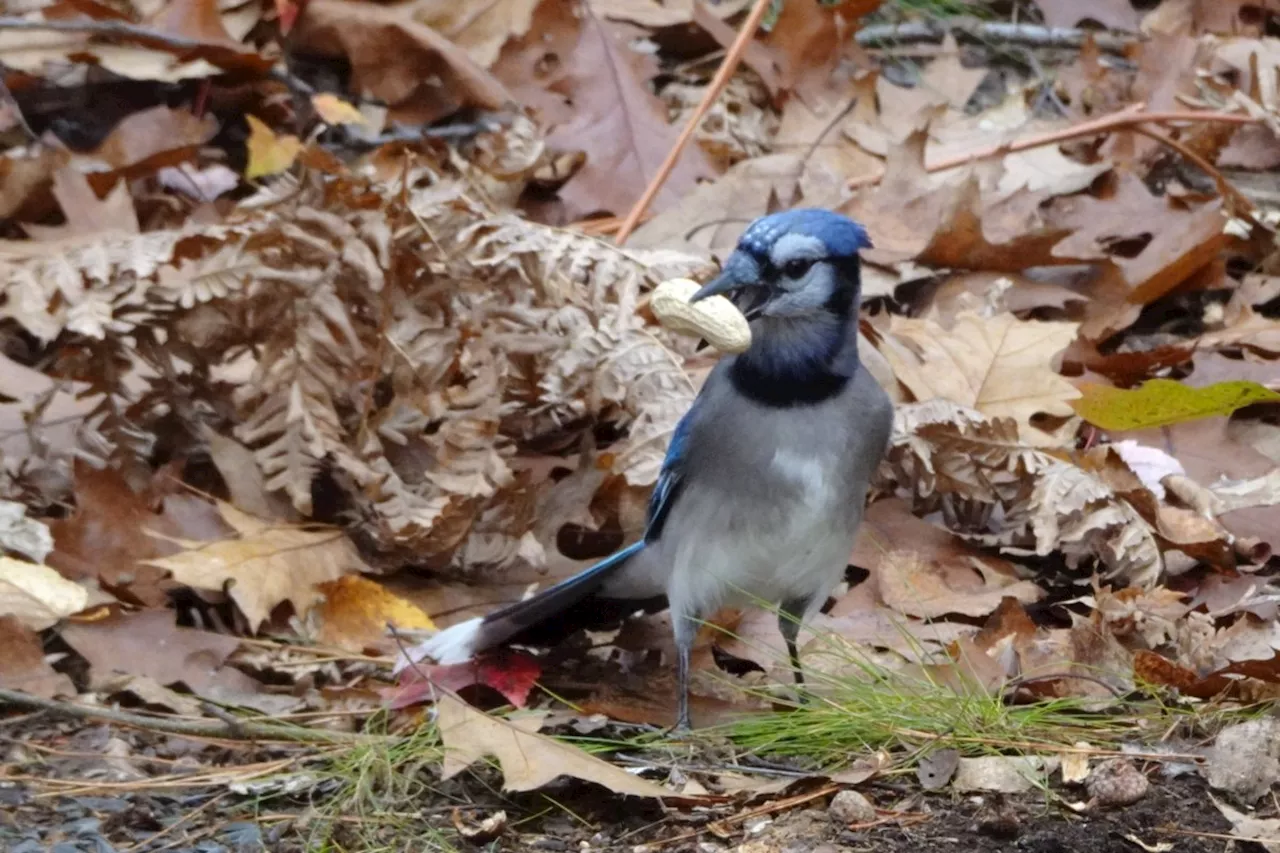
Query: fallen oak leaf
pixel 1163 402
pixel 420 74
pixel 152 138
pixel 103 540
pixel 151 644
pixel 266 565
pixel 529 760
pixel 1172 241
pixel 1001 366
pixel 621 126
pixel 85 212
pixel 925 571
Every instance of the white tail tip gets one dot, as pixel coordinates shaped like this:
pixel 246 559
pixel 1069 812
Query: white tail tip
pixel 452 645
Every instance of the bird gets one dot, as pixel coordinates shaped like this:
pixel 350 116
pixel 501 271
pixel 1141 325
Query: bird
pixel 763 485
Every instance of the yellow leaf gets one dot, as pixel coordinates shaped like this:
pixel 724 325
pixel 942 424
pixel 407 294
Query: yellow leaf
pixel 529 760
pixel 1161 402
pixel 266 565
pixel 269 153
pixel 334 110
pixel 356 610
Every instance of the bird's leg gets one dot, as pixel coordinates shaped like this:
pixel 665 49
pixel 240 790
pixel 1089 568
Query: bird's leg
pixel 789 615
pixel 685 630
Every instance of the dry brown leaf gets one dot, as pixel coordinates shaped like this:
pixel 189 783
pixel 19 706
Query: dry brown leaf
pixel 1156 243
pixel 104 541
pixel 989 294
pixel 1216 454
pixel 1001 366
pixel 417 71
pixel 924 571
pixel 23 665
pixel 808 37
pixel 981 219
pixel 152 694
pixel 197 20
pixel 697 222
pixel 529 760
pixel 265 566
pixel 153 138
pixel 36 595
pixel 24 171
pixel 1087 649
pixel 150 644
pixel 947 79
pixel 655 14
pixel 620 126
pixel 811 126
pixel 86 214
pixel 479 29
pixel 1243 325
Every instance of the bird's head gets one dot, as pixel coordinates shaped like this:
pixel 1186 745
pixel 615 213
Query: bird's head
pixel 794 265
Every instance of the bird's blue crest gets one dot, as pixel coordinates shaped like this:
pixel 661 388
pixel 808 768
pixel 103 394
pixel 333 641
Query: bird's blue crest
pixel 841 235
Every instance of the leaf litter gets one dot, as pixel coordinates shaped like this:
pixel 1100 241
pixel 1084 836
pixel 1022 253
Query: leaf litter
pixel 307 358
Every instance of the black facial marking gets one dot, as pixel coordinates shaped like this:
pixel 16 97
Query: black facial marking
pixel 783 384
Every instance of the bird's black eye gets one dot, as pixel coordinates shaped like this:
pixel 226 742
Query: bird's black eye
pixel 796 267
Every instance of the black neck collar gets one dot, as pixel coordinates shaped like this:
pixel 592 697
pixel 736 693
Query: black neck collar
pixel 782 388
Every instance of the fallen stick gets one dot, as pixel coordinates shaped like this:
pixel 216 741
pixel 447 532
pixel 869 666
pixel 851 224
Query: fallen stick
pixel 1131 116
pixel 976 31
pixel 246 729
pixel 721 79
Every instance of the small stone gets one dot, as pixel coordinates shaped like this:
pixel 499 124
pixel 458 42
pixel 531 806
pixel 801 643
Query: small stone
pixel 547 843
pixel 1244 760
pixel 1116 782
pixel 849 807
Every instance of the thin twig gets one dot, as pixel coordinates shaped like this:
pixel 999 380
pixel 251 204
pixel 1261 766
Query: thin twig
pixel 1225 188
pixel 1128 117
pixel 247 729
pixel 718 82
pixel 977 31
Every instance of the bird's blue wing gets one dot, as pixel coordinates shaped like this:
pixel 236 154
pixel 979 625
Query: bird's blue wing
pixel 671 480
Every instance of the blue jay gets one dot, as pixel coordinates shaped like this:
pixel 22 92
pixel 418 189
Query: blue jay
pixel 764 481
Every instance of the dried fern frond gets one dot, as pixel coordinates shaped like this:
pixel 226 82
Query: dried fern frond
pixel 400 340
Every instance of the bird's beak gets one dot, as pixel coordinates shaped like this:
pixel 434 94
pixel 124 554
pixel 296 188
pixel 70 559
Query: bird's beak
pixel 732 278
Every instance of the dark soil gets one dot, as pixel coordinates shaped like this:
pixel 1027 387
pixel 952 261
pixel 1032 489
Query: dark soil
pixel 212 821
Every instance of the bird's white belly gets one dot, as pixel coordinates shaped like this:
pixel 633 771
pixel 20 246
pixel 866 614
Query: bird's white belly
pixel 775 555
